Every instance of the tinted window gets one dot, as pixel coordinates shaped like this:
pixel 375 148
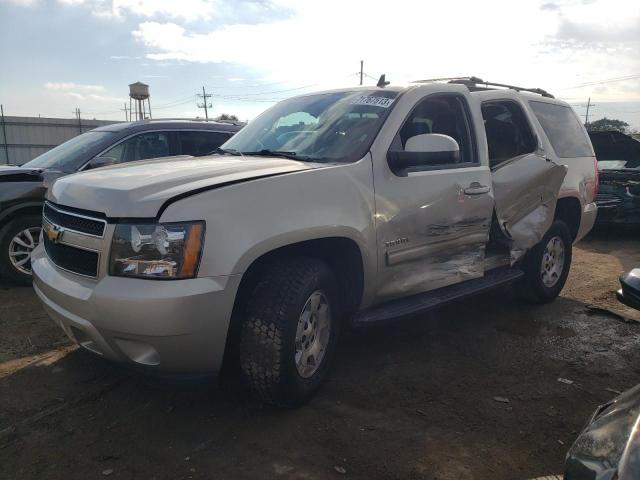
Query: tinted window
pixel 201 142
pixel 143 146
pixel 508 132
pixel 563 130
pixel 71 153
pixel 445 115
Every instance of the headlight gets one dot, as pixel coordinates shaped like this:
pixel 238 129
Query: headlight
pixel 164 250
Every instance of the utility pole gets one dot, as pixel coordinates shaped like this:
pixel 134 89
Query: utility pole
pixel 204 105
pixel 361 70
pixel 77 112
pixel 4 134
pixel 126 112
pixel 586 117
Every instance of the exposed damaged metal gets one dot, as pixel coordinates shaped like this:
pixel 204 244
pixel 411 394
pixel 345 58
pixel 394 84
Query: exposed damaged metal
pixel 526 192
pixel 609 447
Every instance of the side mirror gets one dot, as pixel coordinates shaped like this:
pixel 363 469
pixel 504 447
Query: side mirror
pixel 425 149
pixel 98 162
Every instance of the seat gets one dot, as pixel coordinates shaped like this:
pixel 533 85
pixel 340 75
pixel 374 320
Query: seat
pixel 445 124
pixel 502 140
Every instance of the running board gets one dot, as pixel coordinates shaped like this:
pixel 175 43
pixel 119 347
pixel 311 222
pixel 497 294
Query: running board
pixel 435 298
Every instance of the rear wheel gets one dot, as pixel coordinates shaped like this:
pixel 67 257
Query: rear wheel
pixel 547 265
pixel 18 239
pixel 290 330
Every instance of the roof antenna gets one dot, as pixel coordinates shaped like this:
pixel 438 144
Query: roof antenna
pixel 382 82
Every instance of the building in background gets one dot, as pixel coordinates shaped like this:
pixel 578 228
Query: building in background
pixel 24 138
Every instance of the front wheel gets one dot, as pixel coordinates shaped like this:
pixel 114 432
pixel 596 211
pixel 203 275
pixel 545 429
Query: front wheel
pixel 290 331
pixel 547 265
pixel 18 239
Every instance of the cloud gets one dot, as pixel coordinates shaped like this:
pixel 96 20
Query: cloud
pixel 183 9
pixel 20 3
pixel 623 31
pixel 321 43
pixel 82 92
pixel 67 86
pixel 549 6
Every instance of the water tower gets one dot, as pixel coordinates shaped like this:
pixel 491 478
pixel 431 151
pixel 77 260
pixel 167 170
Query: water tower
pixel 139 92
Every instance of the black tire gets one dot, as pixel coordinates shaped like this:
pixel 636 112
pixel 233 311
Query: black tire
pixel 268 331
pixel 7 233
pixel 533 287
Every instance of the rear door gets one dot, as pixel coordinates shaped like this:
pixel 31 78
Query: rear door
pixel 526 180
pixel 432 222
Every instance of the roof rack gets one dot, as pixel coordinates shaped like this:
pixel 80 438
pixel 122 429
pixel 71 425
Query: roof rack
pixel 475 83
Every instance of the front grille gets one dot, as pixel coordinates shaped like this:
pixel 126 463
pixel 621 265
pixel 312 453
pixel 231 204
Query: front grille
pixel 73 259
pixel 73 221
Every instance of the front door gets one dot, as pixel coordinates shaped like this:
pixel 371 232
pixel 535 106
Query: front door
pixel 432 222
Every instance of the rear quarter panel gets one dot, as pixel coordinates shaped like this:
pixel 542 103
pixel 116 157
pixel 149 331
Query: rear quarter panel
pixel 581 179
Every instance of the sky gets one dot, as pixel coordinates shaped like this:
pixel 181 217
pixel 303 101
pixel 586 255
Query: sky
pixel 59 55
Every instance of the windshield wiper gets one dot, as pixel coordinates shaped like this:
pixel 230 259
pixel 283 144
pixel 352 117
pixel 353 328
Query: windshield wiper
pixel 279 153
pixel 225 151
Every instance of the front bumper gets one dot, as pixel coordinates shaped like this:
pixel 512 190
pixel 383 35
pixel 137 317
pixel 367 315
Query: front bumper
pixel 168 326
pixel 618 205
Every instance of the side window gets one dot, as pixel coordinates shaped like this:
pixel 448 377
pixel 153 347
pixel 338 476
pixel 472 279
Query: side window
pixel 201 142
pixel 141 147
pixel 443 114
pixel 508 131
pixel 563 130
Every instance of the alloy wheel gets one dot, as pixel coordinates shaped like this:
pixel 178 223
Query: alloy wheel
pixel 312 334
pixel 552 262
pixel 21 247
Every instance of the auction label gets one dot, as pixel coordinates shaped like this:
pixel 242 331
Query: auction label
pixel 373 100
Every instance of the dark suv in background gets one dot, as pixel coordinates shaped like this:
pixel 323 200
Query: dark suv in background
pixel 619 165
pixel 22 188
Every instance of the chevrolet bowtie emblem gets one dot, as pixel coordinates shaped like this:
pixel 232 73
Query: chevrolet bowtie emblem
pixel 54 233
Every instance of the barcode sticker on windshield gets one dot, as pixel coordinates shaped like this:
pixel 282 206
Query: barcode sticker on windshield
pixel 383 102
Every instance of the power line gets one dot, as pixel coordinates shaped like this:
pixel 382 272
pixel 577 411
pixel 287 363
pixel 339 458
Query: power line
pixel 600 82
pixel 163 107
pixel 278 91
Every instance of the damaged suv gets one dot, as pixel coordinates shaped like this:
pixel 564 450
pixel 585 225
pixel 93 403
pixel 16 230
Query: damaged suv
pixel 342 208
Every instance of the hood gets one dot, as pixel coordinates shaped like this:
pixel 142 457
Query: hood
pixel 139 189
pixel 12 173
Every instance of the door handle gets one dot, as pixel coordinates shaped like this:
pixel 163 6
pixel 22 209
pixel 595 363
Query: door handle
pixel 476 189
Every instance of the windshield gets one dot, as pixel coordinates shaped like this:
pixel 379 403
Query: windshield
pixel 66 156
pixel 337 126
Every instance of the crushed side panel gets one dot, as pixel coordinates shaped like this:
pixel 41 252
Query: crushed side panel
pixel 526 192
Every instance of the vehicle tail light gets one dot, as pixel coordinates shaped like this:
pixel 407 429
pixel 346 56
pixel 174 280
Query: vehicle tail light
pixel 596 178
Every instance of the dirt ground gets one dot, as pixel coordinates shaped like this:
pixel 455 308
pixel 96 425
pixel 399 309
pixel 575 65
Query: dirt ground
pixel 410 401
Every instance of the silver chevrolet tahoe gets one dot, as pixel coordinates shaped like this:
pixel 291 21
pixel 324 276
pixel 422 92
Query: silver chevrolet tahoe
pixel 341 208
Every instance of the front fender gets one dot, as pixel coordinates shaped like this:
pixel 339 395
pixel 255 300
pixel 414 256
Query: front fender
pixel 248 220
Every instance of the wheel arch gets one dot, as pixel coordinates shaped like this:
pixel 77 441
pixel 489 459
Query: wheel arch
pixel 28 208
pixel 569 210
pixel 343 255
